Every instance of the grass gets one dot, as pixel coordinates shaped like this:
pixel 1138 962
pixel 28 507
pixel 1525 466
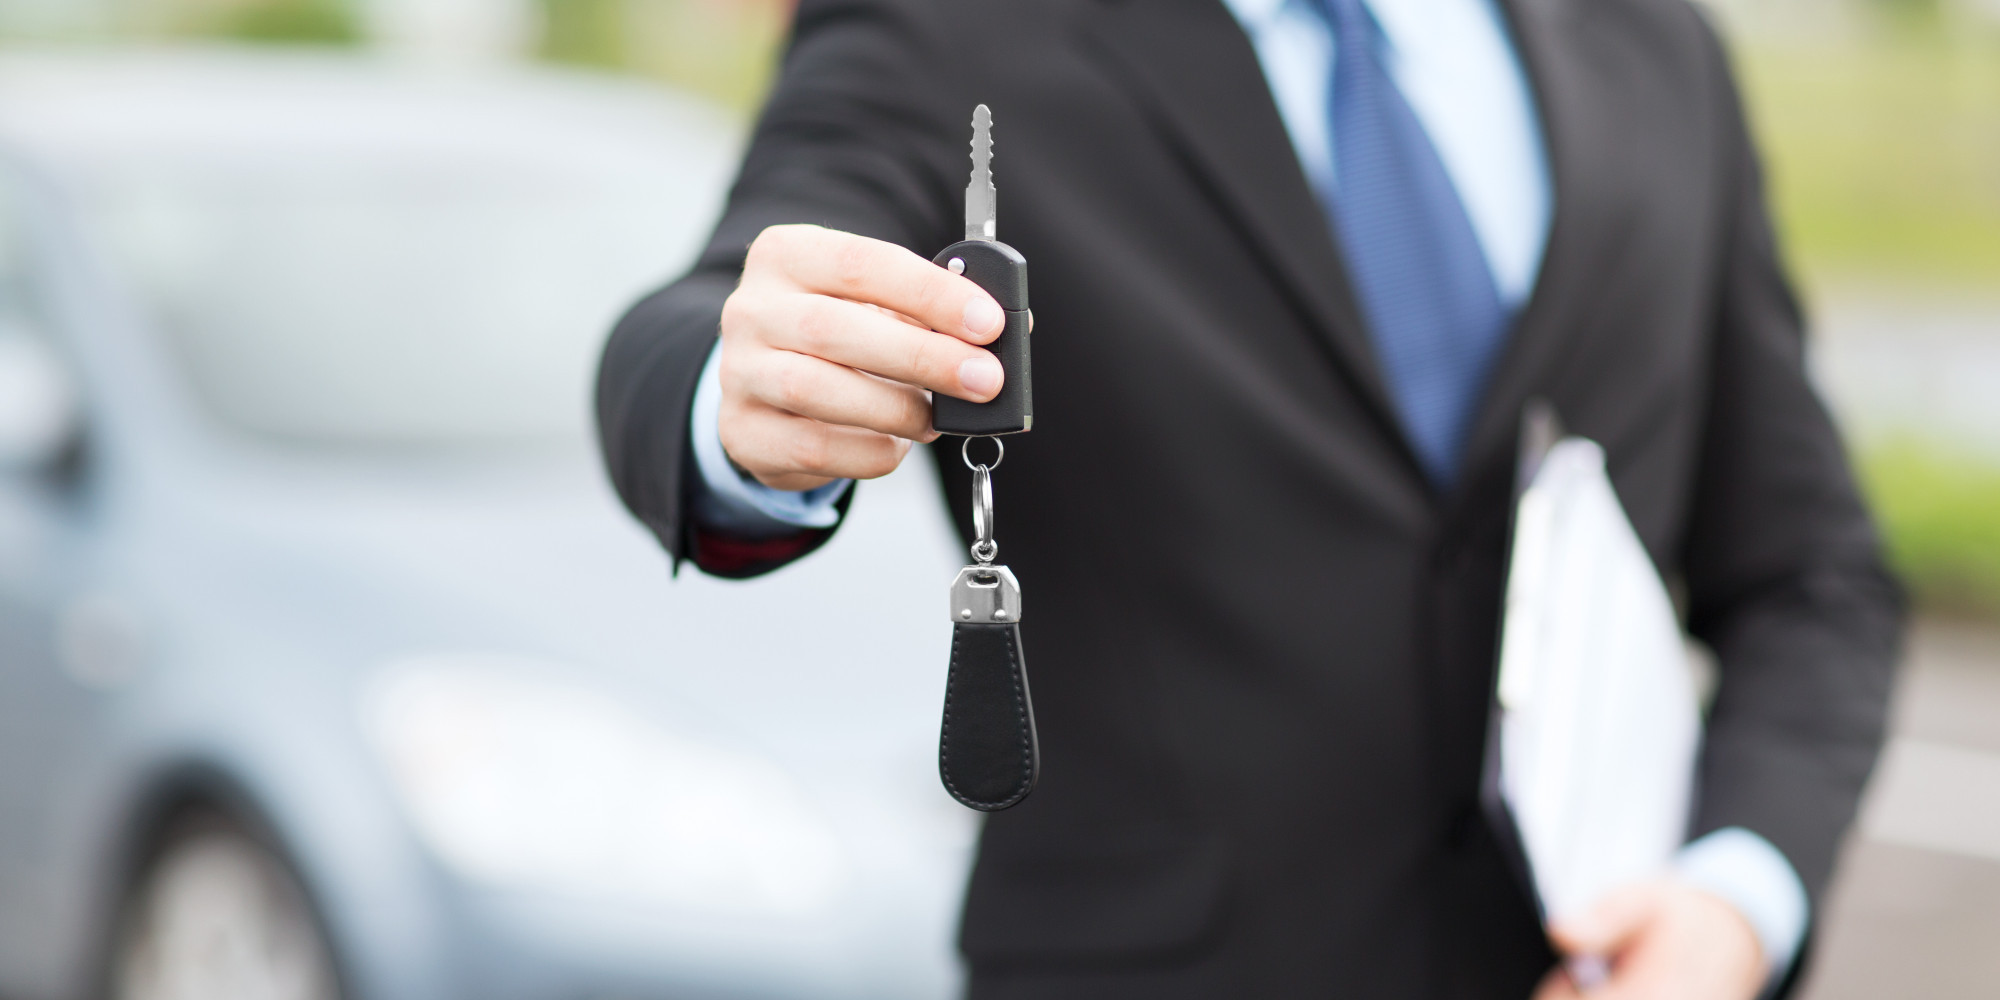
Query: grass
pixel 312 21
pixel 725 50
pixel 1940 512
pixel 266 22
pixel 1883 150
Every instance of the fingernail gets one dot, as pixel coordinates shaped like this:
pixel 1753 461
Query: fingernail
pixel 982 316
pixel 981 375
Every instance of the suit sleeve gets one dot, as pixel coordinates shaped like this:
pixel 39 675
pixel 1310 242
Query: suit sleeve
pixel 1785 572
pixel 858 136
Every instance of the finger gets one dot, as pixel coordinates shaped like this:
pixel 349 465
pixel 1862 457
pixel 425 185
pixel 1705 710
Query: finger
pixel 854 335
pixel 1557 986
pixel 884 274
pixel 898 317
pixel 1606 927
pixel 836 394
pixel 789 452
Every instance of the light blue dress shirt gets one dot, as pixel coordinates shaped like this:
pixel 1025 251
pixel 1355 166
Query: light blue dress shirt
pixel 1457 67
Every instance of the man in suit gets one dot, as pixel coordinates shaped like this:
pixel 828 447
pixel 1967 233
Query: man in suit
pixel 1297 265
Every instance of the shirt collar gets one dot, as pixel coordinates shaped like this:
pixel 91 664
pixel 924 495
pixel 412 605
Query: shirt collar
pixel 1394 18
pixel 1254 13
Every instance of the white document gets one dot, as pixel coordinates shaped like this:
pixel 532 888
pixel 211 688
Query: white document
pixel 1599 717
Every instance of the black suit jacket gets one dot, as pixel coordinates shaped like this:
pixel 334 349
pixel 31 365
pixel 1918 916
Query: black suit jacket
pixel 1261 642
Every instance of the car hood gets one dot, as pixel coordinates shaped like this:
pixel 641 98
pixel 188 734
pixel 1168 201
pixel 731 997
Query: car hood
pixel 357 561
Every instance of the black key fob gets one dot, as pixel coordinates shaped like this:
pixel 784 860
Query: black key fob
pixel 1003 272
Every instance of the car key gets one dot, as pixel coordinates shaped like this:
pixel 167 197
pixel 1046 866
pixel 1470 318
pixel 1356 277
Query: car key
pixel 1003 272
pixel 988 754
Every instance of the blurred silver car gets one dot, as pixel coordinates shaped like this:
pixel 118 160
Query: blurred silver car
pixel 329 665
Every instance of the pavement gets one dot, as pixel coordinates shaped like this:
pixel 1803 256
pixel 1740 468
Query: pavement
pixel 1914 910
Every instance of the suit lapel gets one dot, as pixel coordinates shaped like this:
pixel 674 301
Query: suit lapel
pixel 1197 75
pixel 1573 131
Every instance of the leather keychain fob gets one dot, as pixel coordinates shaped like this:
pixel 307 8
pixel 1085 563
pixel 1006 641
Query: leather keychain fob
pixel 1003 272
pixel 988 754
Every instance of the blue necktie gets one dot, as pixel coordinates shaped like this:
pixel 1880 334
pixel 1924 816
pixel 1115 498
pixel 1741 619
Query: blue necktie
pixel 1412 256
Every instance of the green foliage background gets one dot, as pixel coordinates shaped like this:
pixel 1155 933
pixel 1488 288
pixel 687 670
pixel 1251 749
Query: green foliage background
pixel 315 22
pixel 1942 518
pixel 725 49
pixel 1883 148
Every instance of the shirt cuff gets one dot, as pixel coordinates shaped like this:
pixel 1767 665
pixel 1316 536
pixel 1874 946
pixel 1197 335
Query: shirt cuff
pixel 728 501
pixel 1748 873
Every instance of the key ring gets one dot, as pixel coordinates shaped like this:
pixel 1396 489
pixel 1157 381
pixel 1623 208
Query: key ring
pixel 965 452
pixel 985 548
pixel 982 514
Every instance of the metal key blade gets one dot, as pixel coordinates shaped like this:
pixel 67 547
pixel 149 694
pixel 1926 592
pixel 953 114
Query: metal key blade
pixel 980 198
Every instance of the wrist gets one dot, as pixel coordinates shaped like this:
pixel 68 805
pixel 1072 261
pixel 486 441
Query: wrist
pixel 729 498
pixel 1757 882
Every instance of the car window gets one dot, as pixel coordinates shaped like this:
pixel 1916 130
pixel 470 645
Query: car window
pixel 400 295
pixel 19 313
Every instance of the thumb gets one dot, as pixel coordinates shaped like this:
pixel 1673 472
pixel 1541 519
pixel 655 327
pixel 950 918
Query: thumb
pixel 1606 926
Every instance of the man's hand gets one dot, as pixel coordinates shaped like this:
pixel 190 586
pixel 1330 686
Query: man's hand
pixel 1665 941
pixel 828 344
